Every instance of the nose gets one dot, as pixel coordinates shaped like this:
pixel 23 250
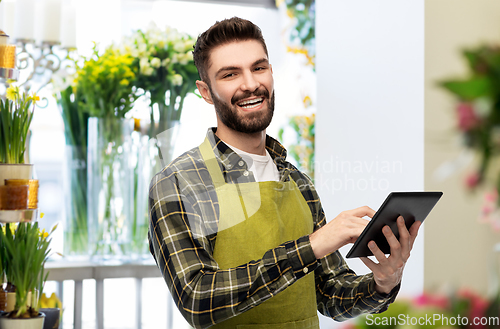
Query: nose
pixel 250 83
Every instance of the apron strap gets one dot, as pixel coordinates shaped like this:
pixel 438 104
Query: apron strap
pixel 211 162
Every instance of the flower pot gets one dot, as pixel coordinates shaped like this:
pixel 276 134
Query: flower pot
pixel 29 323
pixel 15 171
pixel 11 302
pixel 3 299
pixel 52 316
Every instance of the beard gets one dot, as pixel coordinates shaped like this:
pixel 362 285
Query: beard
pixel 250 122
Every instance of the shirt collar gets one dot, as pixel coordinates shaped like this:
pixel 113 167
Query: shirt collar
pixel 230 159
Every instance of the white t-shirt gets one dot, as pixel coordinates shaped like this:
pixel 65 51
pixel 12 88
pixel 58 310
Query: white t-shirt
pixel 262 166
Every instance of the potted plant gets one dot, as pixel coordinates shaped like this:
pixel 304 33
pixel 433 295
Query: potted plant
pixel 25 250
pixel 16 113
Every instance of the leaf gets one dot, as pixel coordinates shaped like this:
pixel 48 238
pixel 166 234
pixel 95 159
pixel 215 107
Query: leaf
pixel 468 90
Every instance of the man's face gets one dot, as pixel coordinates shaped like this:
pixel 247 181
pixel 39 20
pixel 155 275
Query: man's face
pixel 241 86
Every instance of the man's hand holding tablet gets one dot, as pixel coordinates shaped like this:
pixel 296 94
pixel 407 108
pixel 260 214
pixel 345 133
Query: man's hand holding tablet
pixel 392 230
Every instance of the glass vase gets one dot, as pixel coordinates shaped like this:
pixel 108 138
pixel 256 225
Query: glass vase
pixel 110 187
pixel 75 192
pixel 152 155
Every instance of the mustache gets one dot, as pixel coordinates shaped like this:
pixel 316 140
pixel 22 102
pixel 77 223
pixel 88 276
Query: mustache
pixel 259 92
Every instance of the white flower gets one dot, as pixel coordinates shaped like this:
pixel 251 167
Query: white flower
pixel 188 45
pixel 145 68
pixel 189 55
pixel 147 71
pixel 165 62
pixel 156 62
pixel 176 79
pixel 179 47
pixel 184 59
pixel 175 58
pixel 142 48
pixel 143 62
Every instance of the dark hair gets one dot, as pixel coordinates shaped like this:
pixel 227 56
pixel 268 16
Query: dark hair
pixel 223 32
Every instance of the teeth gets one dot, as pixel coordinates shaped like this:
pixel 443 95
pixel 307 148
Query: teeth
pixel 257 100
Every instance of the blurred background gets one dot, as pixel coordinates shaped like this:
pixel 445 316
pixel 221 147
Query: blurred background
pixel 372 97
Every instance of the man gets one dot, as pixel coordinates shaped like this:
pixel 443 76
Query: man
pixel 238 232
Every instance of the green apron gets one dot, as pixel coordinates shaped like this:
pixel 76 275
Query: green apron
pixel 255 217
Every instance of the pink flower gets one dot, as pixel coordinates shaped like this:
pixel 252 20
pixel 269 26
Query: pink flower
pixel 477 306
pixel 438 301
pixel 467 118
pixel 472 180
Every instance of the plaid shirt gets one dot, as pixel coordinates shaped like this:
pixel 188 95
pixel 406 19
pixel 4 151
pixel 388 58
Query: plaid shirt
pixel 184 213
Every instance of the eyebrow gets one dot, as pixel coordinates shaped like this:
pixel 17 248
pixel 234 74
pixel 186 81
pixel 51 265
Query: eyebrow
pixel 232 68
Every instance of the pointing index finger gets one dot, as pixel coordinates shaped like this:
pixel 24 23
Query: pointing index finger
pixel 363 211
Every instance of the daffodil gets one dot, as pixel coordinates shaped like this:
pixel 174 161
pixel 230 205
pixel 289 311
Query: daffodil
pixel 12 93
pixel 50 302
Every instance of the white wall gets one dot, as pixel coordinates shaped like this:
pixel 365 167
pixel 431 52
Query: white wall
pixel 369 133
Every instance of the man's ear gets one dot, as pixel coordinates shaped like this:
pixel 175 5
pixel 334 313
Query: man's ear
pixel 204 91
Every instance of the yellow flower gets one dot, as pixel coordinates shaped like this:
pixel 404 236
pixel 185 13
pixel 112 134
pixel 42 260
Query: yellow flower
pixel 52 302
pixel 44 234
pixel 307 102
pixel 124 82
pixel 12 93
pixel 35 98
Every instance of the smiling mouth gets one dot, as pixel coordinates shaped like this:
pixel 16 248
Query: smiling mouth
pixel 251 103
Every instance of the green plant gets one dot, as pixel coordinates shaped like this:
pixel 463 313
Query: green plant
pixel 303 32
pixel 478 110
pixel 75 132
pixel 16 113
pixel 25 251
pixel 302 150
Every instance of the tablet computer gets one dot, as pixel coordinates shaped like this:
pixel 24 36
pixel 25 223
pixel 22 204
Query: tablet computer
pixel 412 206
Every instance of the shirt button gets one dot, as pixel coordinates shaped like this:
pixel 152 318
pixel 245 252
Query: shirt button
pixel 241 163
pixel 305 270
pixel 246 173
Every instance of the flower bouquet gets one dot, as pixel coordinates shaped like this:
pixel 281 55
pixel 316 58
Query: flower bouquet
pixel 104 84
pixel 478 114
pixel 166 73
pixel 165 69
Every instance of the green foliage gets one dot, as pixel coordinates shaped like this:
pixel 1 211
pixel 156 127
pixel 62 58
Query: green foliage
pixel 76 136
pixel 304 12
pixel 478 109
pixel 24 254
pixel 16 113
